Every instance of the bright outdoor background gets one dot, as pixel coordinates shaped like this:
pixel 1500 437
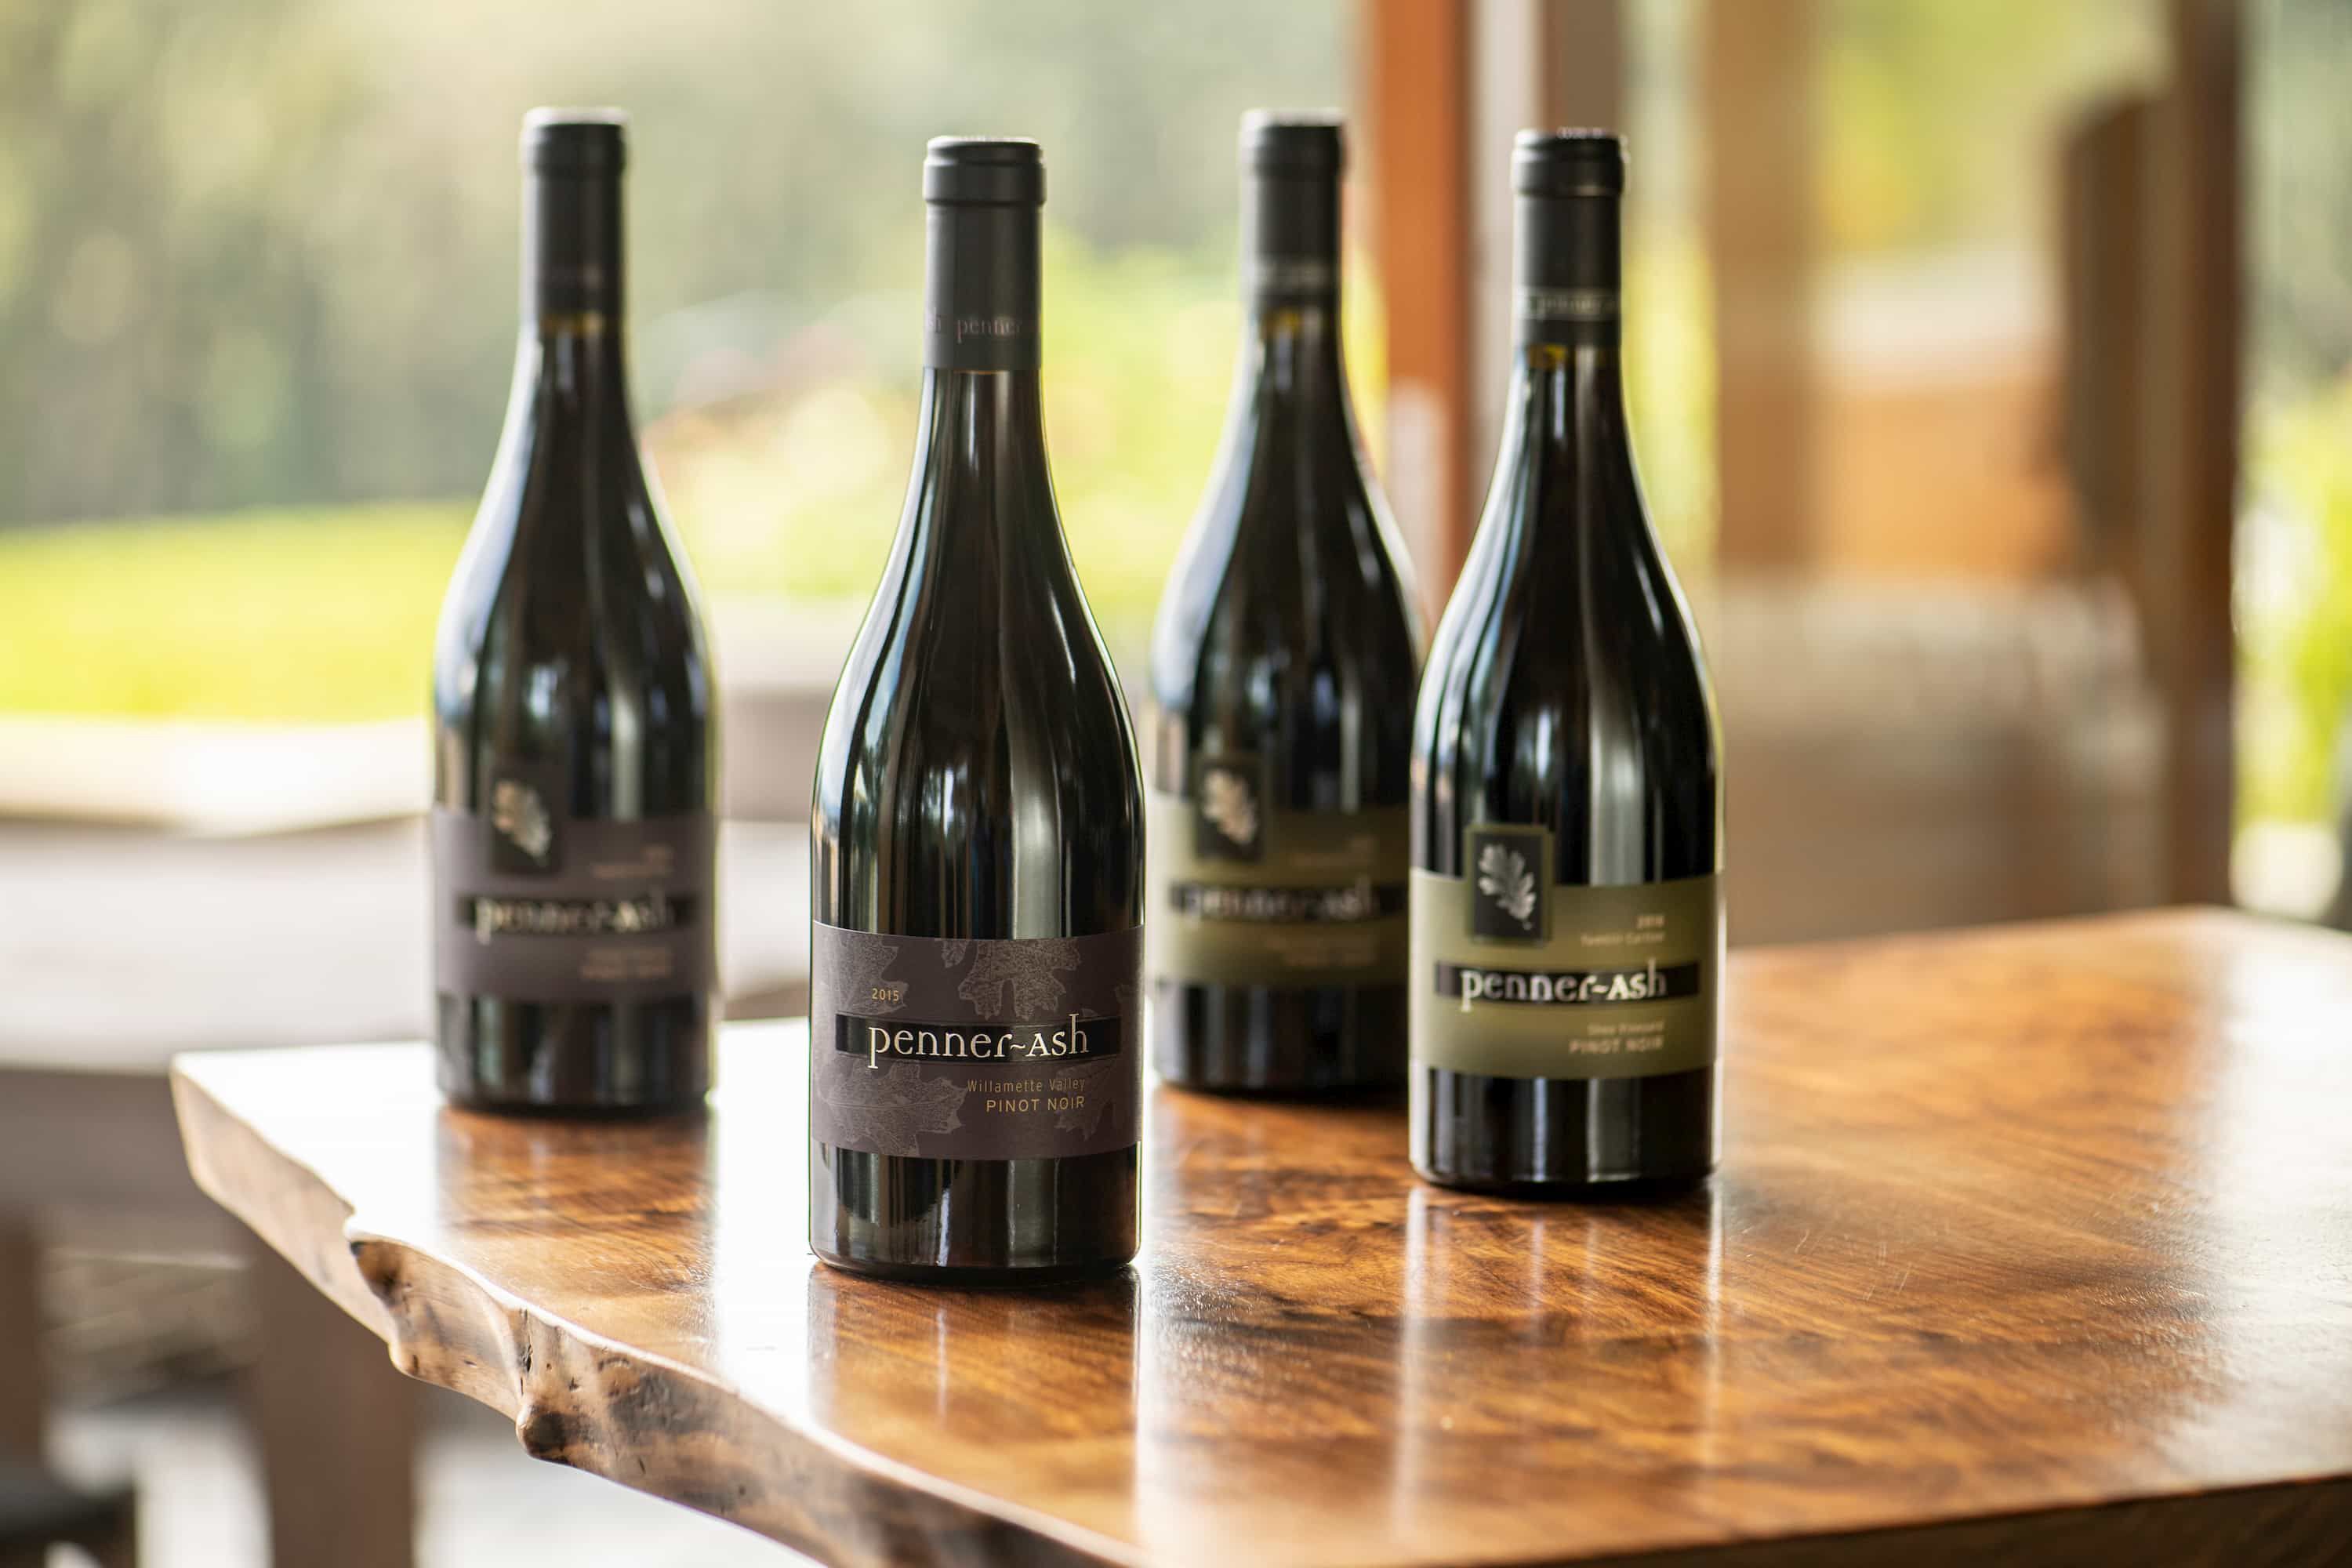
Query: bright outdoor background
pixel 257 297
pixel 257 301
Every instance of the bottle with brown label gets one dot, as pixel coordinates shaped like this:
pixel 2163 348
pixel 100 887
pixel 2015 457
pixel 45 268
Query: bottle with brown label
pixel 1282 669
pixel 975 1074
pixel 1567 808
pixel 571 827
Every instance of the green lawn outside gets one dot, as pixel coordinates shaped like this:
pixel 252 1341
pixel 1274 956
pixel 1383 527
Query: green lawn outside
pixel 298 615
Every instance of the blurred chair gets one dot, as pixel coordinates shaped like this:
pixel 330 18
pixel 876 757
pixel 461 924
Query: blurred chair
pixel 1901 757
pixel 122 946
pixel 38 1511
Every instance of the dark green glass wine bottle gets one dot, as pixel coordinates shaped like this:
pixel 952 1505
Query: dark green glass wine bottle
pixel 1283 668
pixel 1567 807
pixel 573 835
pixel 975 1080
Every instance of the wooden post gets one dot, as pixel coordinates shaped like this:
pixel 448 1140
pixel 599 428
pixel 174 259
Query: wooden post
pixel 1757 71
pixel 1535 63
pixel 1416 101
pixel 23 1389
pixel 337 1428
pixel 2193 341
pixel 2104 241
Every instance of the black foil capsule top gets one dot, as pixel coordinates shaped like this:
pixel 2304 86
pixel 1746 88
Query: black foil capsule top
pixel 981 298
pixel 1567 269
pixel 571 239
pixel 1292 161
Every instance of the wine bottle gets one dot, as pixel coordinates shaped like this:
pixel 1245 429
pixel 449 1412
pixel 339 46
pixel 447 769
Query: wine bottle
pixel 1283 667
pixel 1567 802
pixel 571 829
pixel 977 838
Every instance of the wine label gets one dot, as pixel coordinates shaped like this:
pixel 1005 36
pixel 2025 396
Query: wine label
pixel 1243 894
pixel 532 907
pixel 1516 976
pixel 975 1050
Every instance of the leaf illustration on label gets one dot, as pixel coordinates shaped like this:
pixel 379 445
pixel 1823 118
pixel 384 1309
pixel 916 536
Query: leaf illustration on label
pixel 1099 1084
pixel 517 812
pixel 1504 877
pixel 887 1107
pixel 1227 800
pixel 861 978
pixel 1028 968
pixel 951 953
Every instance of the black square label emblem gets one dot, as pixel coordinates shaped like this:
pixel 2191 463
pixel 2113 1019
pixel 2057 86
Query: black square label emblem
pixel 1229 808
pixel 525 831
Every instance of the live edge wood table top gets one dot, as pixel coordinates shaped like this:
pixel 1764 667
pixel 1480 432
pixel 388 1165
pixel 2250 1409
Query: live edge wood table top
pixel 2029 1244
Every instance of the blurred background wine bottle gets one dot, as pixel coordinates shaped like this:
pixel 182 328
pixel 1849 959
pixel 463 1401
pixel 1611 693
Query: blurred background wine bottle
pixel 1283 667
pixel 572 832
pixel 977 839
pixel 1567 922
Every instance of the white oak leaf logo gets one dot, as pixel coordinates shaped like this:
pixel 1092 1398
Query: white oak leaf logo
pixel 517 812
pixel 1504 877
pixel 886 1109
pixel 1227 801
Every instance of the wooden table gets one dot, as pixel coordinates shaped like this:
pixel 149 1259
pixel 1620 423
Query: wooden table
pixel 2031 1243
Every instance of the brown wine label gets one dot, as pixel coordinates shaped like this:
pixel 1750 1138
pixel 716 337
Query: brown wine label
pixel 532 907
pixel 975 1050
pixel 1516 976
pixel 1243 894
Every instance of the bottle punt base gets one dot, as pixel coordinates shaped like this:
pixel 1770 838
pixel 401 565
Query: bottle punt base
pixel 1605 1139
pixel 604 1062
pixel 970 1277
pixel 1279 1041
pixel 1606 1190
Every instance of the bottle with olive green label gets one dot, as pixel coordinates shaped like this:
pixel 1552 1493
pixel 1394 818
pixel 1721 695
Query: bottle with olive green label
pixel 1284 660
pixel 1567 771
pixel 1516 976
pixel 1247 894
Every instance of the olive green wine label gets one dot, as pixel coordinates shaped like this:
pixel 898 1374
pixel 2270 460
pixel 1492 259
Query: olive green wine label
pixel 1245 894
pixel 1516 976
pixel 975 1050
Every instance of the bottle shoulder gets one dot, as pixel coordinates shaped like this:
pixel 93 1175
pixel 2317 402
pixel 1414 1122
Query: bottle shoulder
pixel 609 604
pixel 1288 590
pixel 942 693
pixel 1554 631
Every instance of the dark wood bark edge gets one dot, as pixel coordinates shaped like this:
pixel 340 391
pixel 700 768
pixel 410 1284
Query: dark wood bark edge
pixel 575 1399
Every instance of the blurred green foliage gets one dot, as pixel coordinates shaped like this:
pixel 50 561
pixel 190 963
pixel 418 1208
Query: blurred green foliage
pixel 2294 556
pixel 328 613
pixel 2296 610
pixel 273 615
pixel 796 491
pixel 1938 117
pixel 261 252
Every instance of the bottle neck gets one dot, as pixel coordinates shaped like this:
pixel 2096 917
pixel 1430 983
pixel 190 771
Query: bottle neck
pixel 986 423
pixel 980 296
pixel 983 431
pixel 1568 382
pixel 1567 274
pixel 1567 454
pixel 1290 242
pixel 1290 289
pixel 571 261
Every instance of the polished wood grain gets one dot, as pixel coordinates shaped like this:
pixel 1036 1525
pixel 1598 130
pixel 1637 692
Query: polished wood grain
pixel 2031 1243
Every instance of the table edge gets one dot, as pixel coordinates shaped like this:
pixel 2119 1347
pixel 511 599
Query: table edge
pixel 575 1395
